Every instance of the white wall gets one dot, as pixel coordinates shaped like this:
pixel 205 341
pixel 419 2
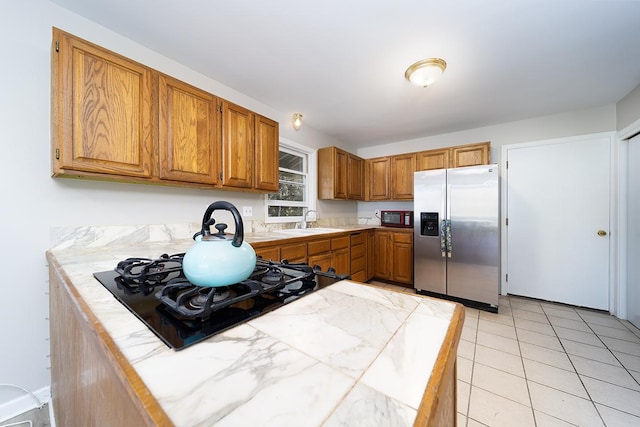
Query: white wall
pixel 33 202
pixel 628 109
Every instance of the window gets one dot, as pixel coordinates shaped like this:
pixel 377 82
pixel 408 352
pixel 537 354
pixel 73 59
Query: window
pixel 297 189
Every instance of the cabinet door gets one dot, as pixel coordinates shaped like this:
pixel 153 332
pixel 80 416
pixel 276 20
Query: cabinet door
pixel 272 254
pixel 402 169
pixel 383 256
pixel 295 252
pixel 341 261
pixel 432 159
pixel 332 173
pixel 403 258
pixel 371 251
pixel 324 261
pixel 355 173
pixel 266 157
pixel 379 178
pixel 188 139
pixel 470 155
pixel 101 110
pixel 340 175
pixel 358 246
pixel 237 146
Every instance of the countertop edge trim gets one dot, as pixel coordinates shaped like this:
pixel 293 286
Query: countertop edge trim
pixel 427 412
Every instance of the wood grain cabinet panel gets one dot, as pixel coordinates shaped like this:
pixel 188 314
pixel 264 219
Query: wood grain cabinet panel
pixel 358 243
pixel 188 143
pixel 454 157
pixel 269 253
pixel 470 155
pixel 113 118
pixel 355 177
pixel 432 159
pixel 237 146
pixel 294 252
pixel 92 383
pixel 403 257
pixel 101 110
pixel 267 147
pixel 383 257
pixel 394 256
pixel 402 169
pixel 378 175
pixel 332 173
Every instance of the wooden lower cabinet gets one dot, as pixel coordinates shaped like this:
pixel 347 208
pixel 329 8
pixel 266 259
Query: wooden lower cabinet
pixel 382 243
pixel 326 252
pixel 270 253
pixel 319 253
pixel 371 251
pixel 340 255
pixel 295 252
pixel 90 378
pixel 394 256
pixel 359 254
pixel 403 257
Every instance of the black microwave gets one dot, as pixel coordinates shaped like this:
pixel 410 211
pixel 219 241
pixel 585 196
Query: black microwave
pixel 402 219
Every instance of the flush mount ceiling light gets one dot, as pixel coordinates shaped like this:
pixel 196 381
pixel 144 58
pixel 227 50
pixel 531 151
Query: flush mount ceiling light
pixel 297 121
pixel 424 73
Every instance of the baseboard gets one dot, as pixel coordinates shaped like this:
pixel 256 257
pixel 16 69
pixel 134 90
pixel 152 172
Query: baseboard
pixel 24 403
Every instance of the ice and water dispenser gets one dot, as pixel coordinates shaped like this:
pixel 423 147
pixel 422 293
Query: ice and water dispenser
pixel 429 224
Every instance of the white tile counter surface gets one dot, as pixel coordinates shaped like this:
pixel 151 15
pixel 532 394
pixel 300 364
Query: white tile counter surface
pixel 349 354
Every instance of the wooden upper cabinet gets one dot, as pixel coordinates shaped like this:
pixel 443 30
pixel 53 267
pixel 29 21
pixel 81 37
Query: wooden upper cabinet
pixel 402 168
pixel 113 118
pixel 378 175
pixel 267 147
pixel 432 159
pixel 332 173
pixel 188 137
pixel 454 157
pixel 470 155
pixel 237 146
pixel 101 110
pixel 355 177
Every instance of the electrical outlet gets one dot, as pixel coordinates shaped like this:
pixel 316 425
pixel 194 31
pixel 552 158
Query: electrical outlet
pixel 377 213
pixel 247 211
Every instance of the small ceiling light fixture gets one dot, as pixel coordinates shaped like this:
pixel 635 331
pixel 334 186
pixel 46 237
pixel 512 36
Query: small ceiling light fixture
pixel 297 121
pixel 424 73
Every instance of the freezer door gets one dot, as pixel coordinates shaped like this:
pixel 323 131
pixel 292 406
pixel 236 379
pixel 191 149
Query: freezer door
pixel 429 266
pixel 473 204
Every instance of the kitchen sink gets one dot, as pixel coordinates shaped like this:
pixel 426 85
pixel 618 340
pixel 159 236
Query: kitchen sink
pixel 307 231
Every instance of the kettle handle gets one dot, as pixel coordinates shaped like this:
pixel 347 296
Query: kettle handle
pixel 238 237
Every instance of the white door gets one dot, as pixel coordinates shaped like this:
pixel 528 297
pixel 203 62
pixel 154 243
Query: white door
pixel 558 209
pixel 633 232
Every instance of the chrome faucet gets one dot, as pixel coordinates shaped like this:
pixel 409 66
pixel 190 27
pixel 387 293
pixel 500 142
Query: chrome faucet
pixel 303 223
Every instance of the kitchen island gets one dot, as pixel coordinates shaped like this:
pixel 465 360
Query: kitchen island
pixel 348 354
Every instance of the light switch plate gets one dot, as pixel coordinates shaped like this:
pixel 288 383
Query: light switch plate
pixel 247 211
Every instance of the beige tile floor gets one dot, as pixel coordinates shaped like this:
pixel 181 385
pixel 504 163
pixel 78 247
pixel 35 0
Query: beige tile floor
pixel 543 364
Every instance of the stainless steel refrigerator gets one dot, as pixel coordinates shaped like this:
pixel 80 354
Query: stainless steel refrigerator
pixel 457 234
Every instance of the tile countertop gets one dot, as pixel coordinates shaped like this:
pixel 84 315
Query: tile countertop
pixel 349 353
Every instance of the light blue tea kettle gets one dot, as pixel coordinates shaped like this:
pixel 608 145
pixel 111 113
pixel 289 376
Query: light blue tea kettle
pixel 218 259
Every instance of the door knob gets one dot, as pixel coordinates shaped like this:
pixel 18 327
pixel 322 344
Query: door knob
pixel 602 233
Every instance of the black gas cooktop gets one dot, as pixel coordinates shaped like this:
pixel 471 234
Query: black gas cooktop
pixel 182 314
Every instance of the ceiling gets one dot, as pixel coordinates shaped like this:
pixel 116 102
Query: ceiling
pixel 341 63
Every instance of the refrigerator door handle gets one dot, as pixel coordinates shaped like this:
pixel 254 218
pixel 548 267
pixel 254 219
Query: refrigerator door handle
pixel 448 237
pixel 443 237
